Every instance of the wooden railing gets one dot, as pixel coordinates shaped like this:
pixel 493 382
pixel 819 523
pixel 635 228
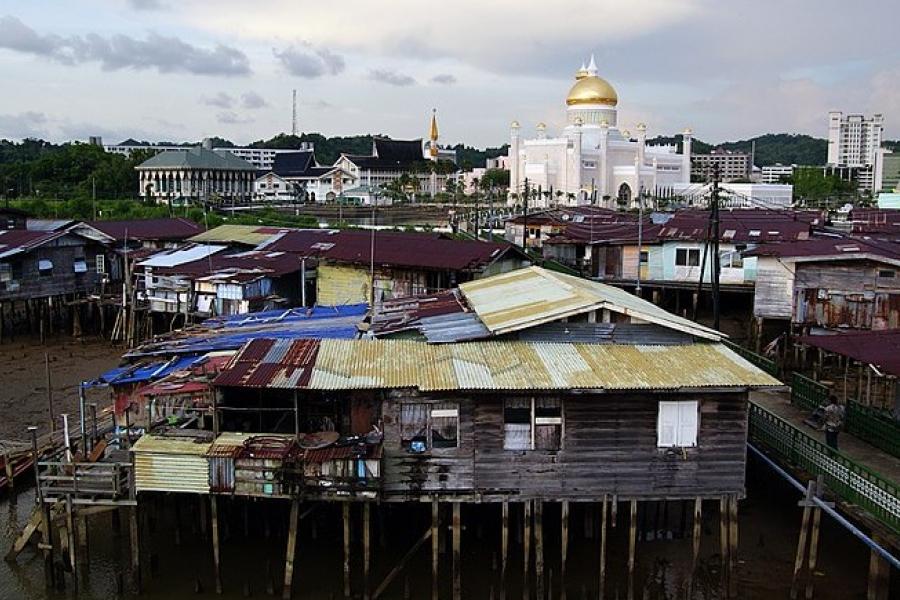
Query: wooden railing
pixel 93 481
pixel 850 481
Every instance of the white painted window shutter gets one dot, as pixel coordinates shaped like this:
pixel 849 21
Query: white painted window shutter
pixel 667 424
pixel 687 424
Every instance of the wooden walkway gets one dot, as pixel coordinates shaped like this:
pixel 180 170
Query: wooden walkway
pixel 884 464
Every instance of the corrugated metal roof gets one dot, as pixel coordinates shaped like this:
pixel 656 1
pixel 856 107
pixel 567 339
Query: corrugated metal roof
pixel 532 296
pixel 181 256
pixel 281 363
pixel 156 444
pixel 250 235
pixel 387 364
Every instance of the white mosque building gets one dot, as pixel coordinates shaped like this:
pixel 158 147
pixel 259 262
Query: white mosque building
pixel 592 161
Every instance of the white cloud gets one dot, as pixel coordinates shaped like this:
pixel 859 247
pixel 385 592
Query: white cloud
pixel 444 79
pixel 220 100
pixel 303 60
pixel 252 101
pixel 391 77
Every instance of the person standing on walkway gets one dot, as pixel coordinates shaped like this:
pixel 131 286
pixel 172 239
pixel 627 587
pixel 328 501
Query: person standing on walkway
pixel 834 420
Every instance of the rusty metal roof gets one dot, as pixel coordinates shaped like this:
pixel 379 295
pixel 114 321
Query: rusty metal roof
pixel 156 444
pixel 284 363
pixel 513 365
pixel 527 297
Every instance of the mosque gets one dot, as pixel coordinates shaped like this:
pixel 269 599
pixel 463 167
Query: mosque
pixel 592 161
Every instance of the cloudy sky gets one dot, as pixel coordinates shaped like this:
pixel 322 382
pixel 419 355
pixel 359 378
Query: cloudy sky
pixel 185 69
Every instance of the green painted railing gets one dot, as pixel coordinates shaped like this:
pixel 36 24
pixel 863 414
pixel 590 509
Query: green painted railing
pixel 849 480
pixel 807 393
pixel 766 364
pixel 874 426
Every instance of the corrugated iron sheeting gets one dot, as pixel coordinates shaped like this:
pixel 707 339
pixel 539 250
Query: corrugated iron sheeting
pixel 164 464
pixel 271 363
pixel 528 297
pixel 384 364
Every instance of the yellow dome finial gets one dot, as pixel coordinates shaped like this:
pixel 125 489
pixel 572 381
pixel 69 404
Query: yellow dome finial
pixel 433 134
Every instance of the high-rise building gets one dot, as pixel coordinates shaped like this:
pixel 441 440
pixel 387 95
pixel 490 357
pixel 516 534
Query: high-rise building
pixel 854 145
pixel 733 166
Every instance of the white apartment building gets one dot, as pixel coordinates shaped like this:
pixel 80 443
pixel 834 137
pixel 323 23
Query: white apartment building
pixel 776 173
pixel 854 142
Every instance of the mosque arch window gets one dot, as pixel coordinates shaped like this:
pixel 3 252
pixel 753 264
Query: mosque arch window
pixel 624 195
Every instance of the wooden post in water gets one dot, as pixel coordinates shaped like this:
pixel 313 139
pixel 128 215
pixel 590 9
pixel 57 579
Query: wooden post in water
pixel 367 554
pixel 879 575
pixel 526 551
pixel 813 551
pixel 695 554
pixel 801 543
pixel 135 548
pixel 632 542
pixel 564 550
pixel 733 545
pixel 214 512
pixel 539 546
pixel 8 466
pixel 723 542
pixel 291 548
pixel 457 556
pixel 49 392
pixel 435 547
pixel 604 518
pixel 345 508
pixel 504 547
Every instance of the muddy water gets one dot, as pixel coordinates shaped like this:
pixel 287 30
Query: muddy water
pixel 177 559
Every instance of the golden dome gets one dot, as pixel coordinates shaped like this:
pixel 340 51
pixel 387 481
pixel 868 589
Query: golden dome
pixel 592 90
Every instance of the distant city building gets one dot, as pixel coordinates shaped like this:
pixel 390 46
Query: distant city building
pixel 261 158
pixel 776 173
pixel 733 166
pixel 592 161
pixel 196 175
pixel 854 148
pixel 273 188
pixel 890 174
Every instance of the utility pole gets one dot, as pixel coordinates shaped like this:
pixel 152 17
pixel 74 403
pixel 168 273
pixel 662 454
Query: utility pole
pixel 476 215
pixel 94 195
pixel 716 262
pixel 525 219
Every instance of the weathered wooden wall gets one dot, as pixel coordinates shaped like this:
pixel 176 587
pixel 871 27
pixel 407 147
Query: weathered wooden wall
pixel 847 294
pixel 63 253
pixel 608 447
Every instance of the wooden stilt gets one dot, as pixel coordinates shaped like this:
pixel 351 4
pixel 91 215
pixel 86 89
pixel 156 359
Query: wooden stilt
pixel 367 546
pixel 801 547
pixel 504 547
pixel 217 571
pixel 879 576
pixel 813 551
pixel 82 528
pixel 733 545
pixel 135 548
pixel 695 554
pixel 457 557
pixel 615 510
pixel 526 550
pixel 346 513
pixel 400 565
pixel 564 550
pixel 70 534
pixel 291 549
pixel 632 542
pixel 604 516
pixel 723 543
pixel 539 546
pixel 435 547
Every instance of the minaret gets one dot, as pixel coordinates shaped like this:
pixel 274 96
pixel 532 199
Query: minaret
pixel 686 156
pixel 575 183
pixel 433 150
pixel 513 159
pixel 641 143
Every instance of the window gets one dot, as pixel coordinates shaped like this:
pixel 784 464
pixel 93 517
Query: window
pixel 100 263
pixel 5 272
pixel 886 273
pixel 45 267
pixel 687 257
pixel 645 257
pixel 532 424
pixel 677 424
pixel 79 266
pixel 427 426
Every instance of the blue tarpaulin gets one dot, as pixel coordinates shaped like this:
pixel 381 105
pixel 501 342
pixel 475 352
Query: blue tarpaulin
pixel 143 373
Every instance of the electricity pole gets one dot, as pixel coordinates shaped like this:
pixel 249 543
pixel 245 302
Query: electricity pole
pixel 637 285
pixel 525 218
pixel 716 262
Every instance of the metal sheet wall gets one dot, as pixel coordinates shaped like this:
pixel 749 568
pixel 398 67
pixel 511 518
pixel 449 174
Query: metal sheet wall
pixel 171 473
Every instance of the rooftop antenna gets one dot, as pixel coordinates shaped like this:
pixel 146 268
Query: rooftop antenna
pixel 294 113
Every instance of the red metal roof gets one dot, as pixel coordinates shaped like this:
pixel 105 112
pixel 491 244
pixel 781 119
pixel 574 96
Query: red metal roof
pixel 398 249
pixel 879 348
pixel 12 240
pixel 271 363
pixel 148 229
pixel 830 247
pixel 400 314
pixel 244 266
